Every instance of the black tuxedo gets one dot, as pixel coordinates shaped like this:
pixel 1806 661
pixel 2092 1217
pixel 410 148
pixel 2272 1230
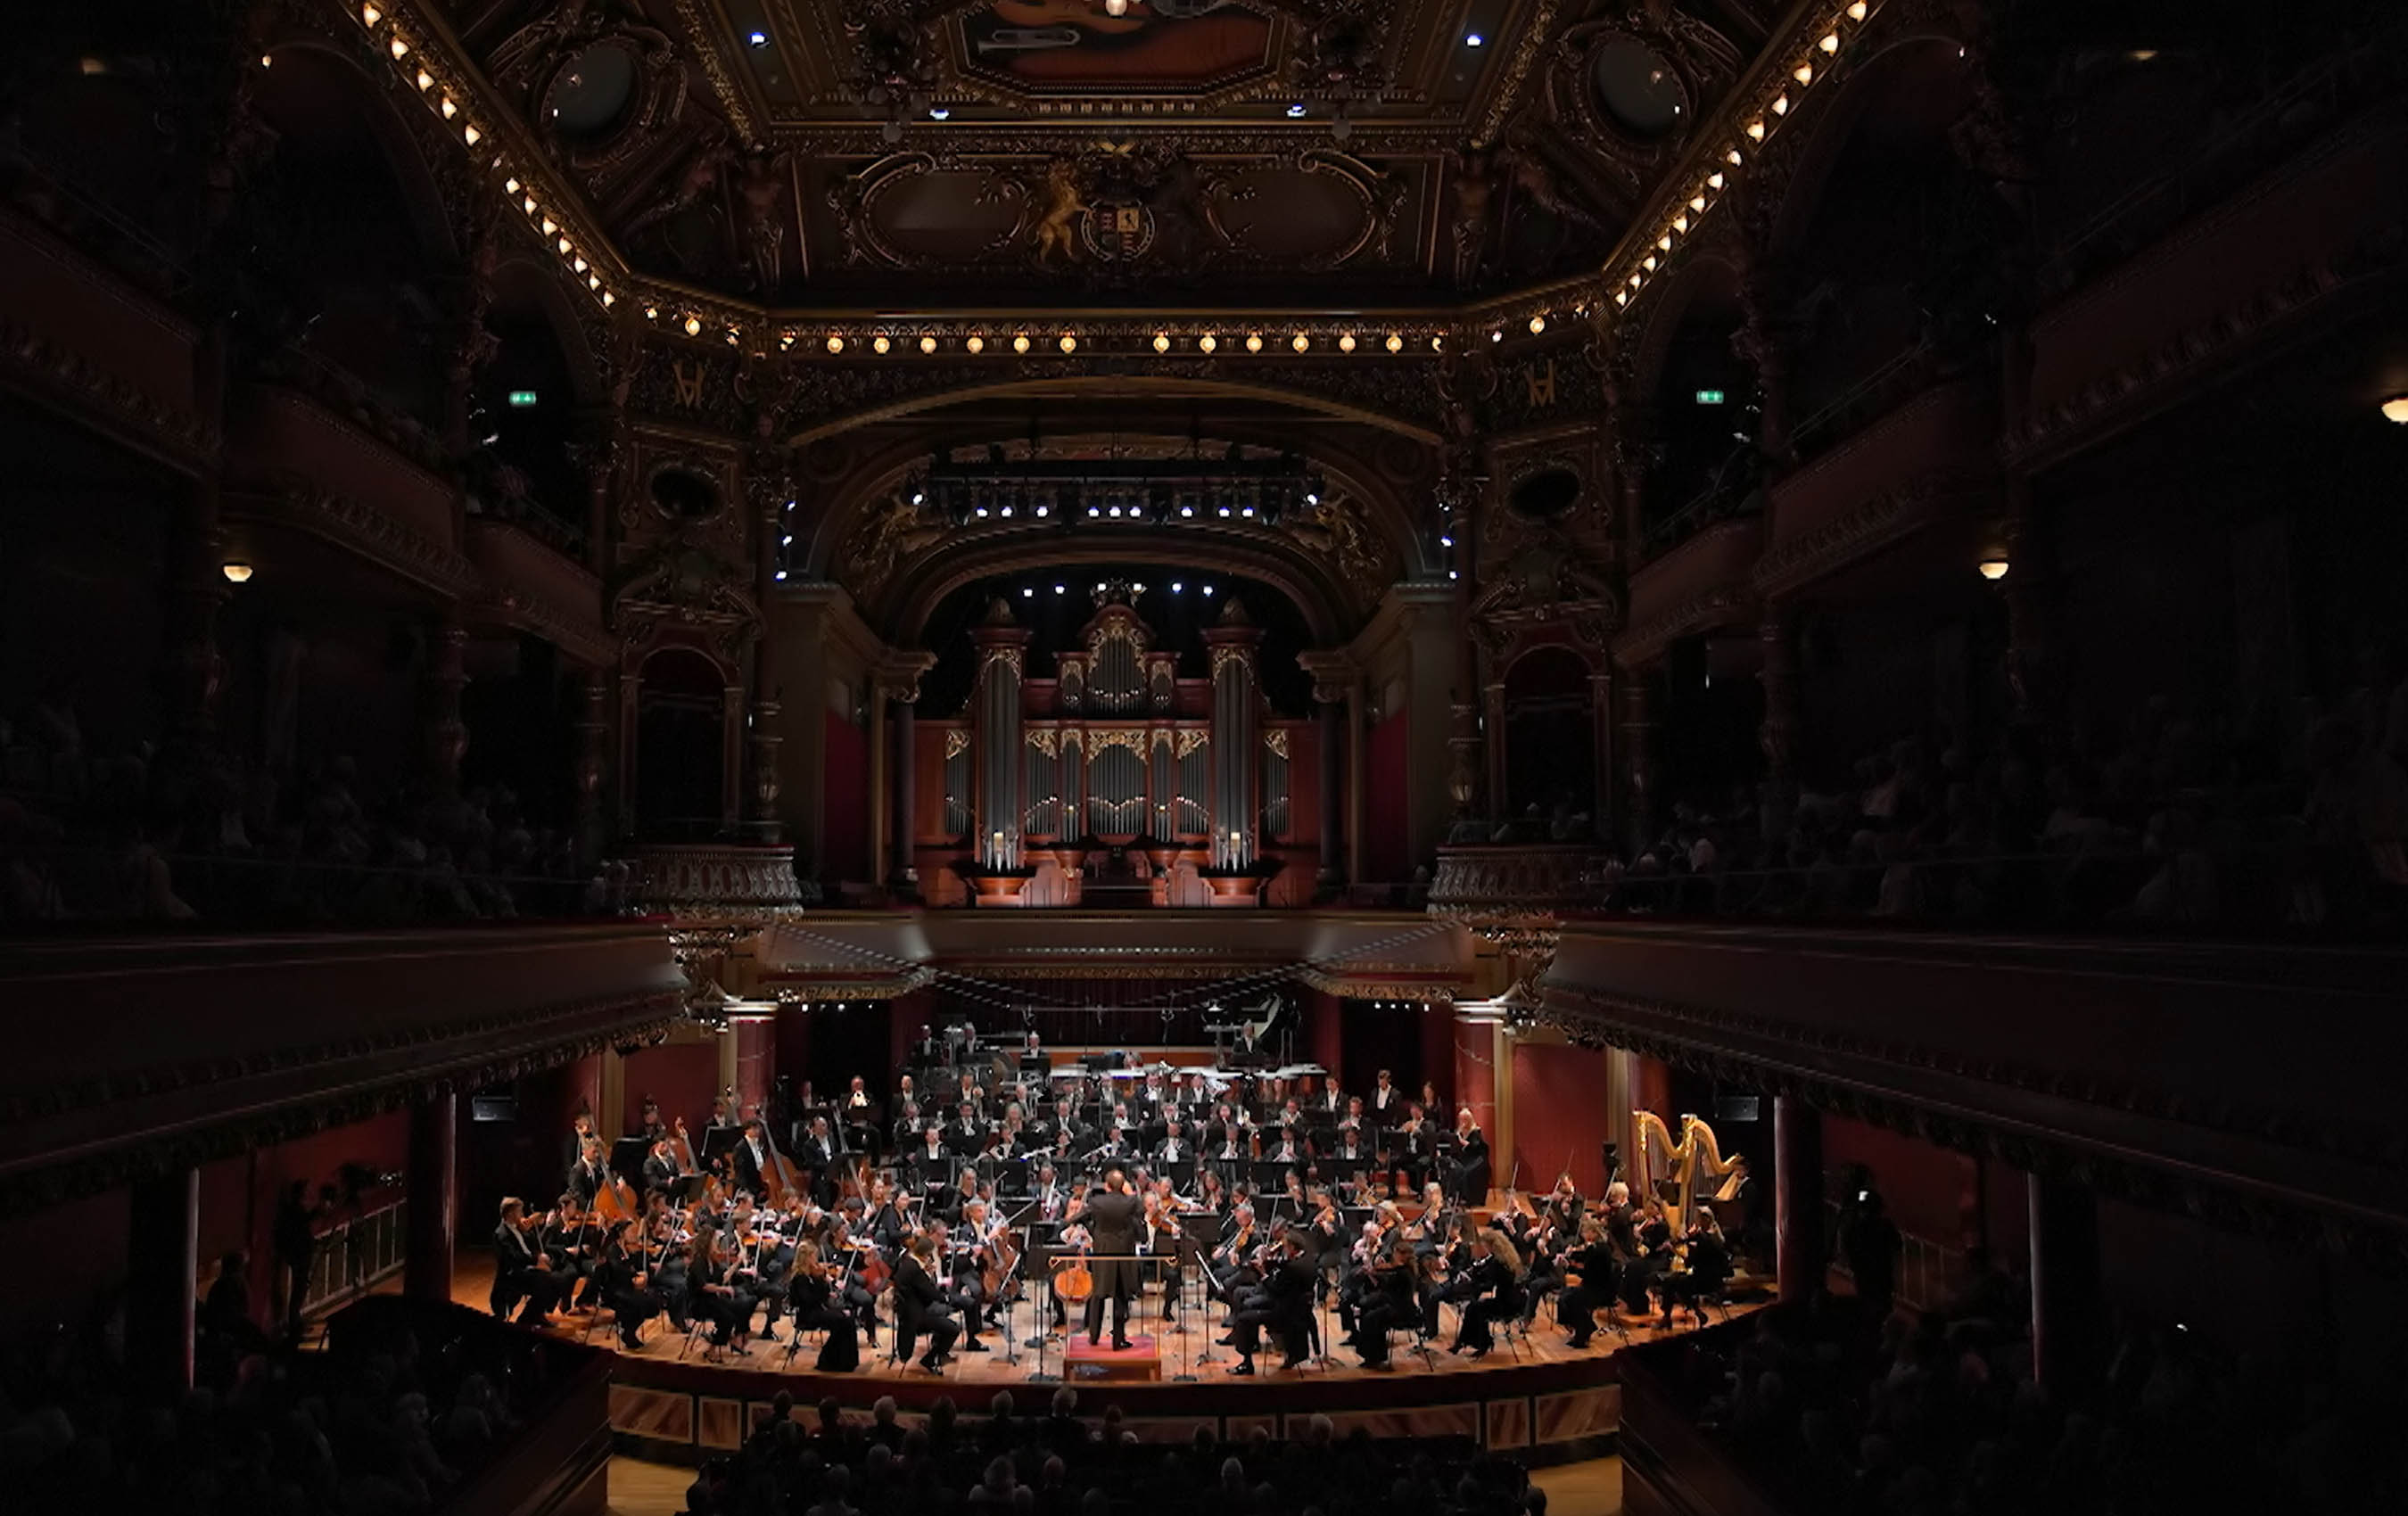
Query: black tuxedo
pixel 518 1276
pixel 1112 1219
pixel 661 1173
pixel 585 1181
pixel 919 1306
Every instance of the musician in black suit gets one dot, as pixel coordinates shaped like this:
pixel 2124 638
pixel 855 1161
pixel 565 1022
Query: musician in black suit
pixel 919 1306
pixel 1175 1147
pixel 1471 1174
pixel 619 1282
pixel 751 1159
pixel 1593 1259
pixel 580 1132
pixel 587 1176
pixel 1387 1099
pixel 520 1270
pixel 661 1170
pixel 1284 1303
pixel 1113 1216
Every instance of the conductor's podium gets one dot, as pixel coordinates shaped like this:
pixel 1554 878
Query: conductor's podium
pixel 1085 1362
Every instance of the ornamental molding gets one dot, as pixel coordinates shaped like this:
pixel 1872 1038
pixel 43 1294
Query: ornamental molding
pixel 1192 738
pixel 1044 740
pixel 2131 390
pixel 956 743
pixel 1793 1059
pixel 44 365
pixel 363 528
pixel 1875 524
pixel 1720 607
pixel 1276 741
pixel 704 883
pixel 545 1043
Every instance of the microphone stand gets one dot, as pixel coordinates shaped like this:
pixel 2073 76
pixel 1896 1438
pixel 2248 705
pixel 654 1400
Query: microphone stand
pixel 1041 1334
pixel 1187 1373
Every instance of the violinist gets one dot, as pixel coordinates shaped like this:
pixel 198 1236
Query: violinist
pixel 1387 1301
pixel 569 1240
pixel 1651 1260
pixel 522 1271
pixel 1709 1260
pixel 908 1124
pixel 1495 1290
pixel 1592 1263
pixel 920 1307
pixel 1212 1193
pixel 1283 1302
pixel 1231 1269
pixel 888 1225
pixel 619 1283
pixel 1050 1197
pixel 719 1296
pixel 814 1293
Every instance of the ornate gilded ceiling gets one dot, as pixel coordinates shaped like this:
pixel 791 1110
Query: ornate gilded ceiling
pixel 1032 154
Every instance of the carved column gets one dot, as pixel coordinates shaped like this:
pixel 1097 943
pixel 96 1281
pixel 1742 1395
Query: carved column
pixel 2029 549
pixel 1797 1248
pixel 1638 748
pixel 1333 738
pixel 1765 339
pixel 1604 821
pixel 592 755
pixel 192 666
pixel 1002 647
pixel 768 488
pixel 161 1279
pixel 447 674
pixel 1492 719
pixel 732 748
pixel 2068 1311
pixel 1234 642
pixel 1777 736
pixel 432 1181
pixel 903 876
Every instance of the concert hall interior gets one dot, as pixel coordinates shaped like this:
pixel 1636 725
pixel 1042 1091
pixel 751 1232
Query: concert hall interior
pixel 1449 755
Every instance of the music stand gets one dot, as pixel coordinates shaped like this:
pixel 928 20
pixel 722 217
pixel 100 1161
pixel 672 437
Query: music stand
pixel 627 1155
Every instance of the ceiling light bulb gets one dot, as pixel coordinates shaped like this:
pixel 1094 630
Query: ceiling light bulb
pixel 1736 160
pixel 1538 324
pixel 1497 336
pixel 1994 568
pixel 1116 8
pixel 1621 297
pixel 1698 202
pixel 1648 262
pixel 1254 342
pixel 1301 342
pixel 1207 343
pixel 1856 11
pixel 425 82
pixel 1162 342
pixel 1395 342
pixel 2395 409
pixel 927 344
pixel 694 326
pixel 785 341
pixel 510 186
pixel 1803 72
pixel 471 136
pixel 1663 243
pixel 564 245
pixel 731 336
pixel 835 343
pixel 1473 39
pixel 1756 130
pixel 400 49
pixel 1830 42
pixel 238 573
pixel 608 298
pixel 550 226
pixel 975 343
pixel 1069 343
pixel 527 205
pixel 1346 342
pixel 1680 221
pixel 1714 180
pixel 1019 343
pixel 1781 104
pixel 1438 343
pixel 447 109
pixel 879 344
pixel 370 15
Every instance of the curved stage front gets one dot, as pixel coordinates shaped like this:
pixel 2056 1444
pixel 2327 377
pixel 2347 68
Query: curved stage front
pixel 1531 1396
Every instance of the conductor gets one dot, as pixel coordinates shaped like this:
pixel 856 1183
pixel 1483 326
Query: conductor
pixel 1112 1223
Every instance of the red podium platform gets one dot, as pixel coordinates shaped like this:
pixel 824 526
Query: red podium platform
pixel 1085 1362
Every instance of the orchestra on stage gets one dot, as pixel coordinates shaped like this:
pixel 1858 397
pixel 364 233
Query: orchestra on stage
pixel 991 1175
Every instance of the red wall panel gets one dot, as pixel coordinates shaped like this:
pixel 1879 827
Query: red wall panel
pixel 1386 805
pixel 1927 1190
pixel 1475 1074
pixel 845 808
pixel 1559 1111
pixel 683 1076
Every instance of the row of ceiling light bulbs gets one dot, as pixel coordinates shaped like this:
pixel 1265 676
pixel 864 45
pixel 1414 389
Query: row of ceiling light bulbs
pixel 1758 129
pixel 441 101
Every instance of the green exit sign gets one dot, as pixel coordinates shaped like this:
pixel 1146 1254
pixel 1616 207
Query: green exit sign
pixel 522 399
pixel 1710 397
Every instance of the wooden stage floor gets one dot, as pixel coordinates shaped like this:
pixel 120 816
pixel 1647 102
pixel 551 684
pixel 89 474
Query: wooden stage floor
pixel 1189 1345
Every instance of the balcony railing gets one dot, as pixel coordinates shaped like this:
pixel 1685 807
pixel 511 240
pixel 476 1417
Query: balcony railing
pixel 715 880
